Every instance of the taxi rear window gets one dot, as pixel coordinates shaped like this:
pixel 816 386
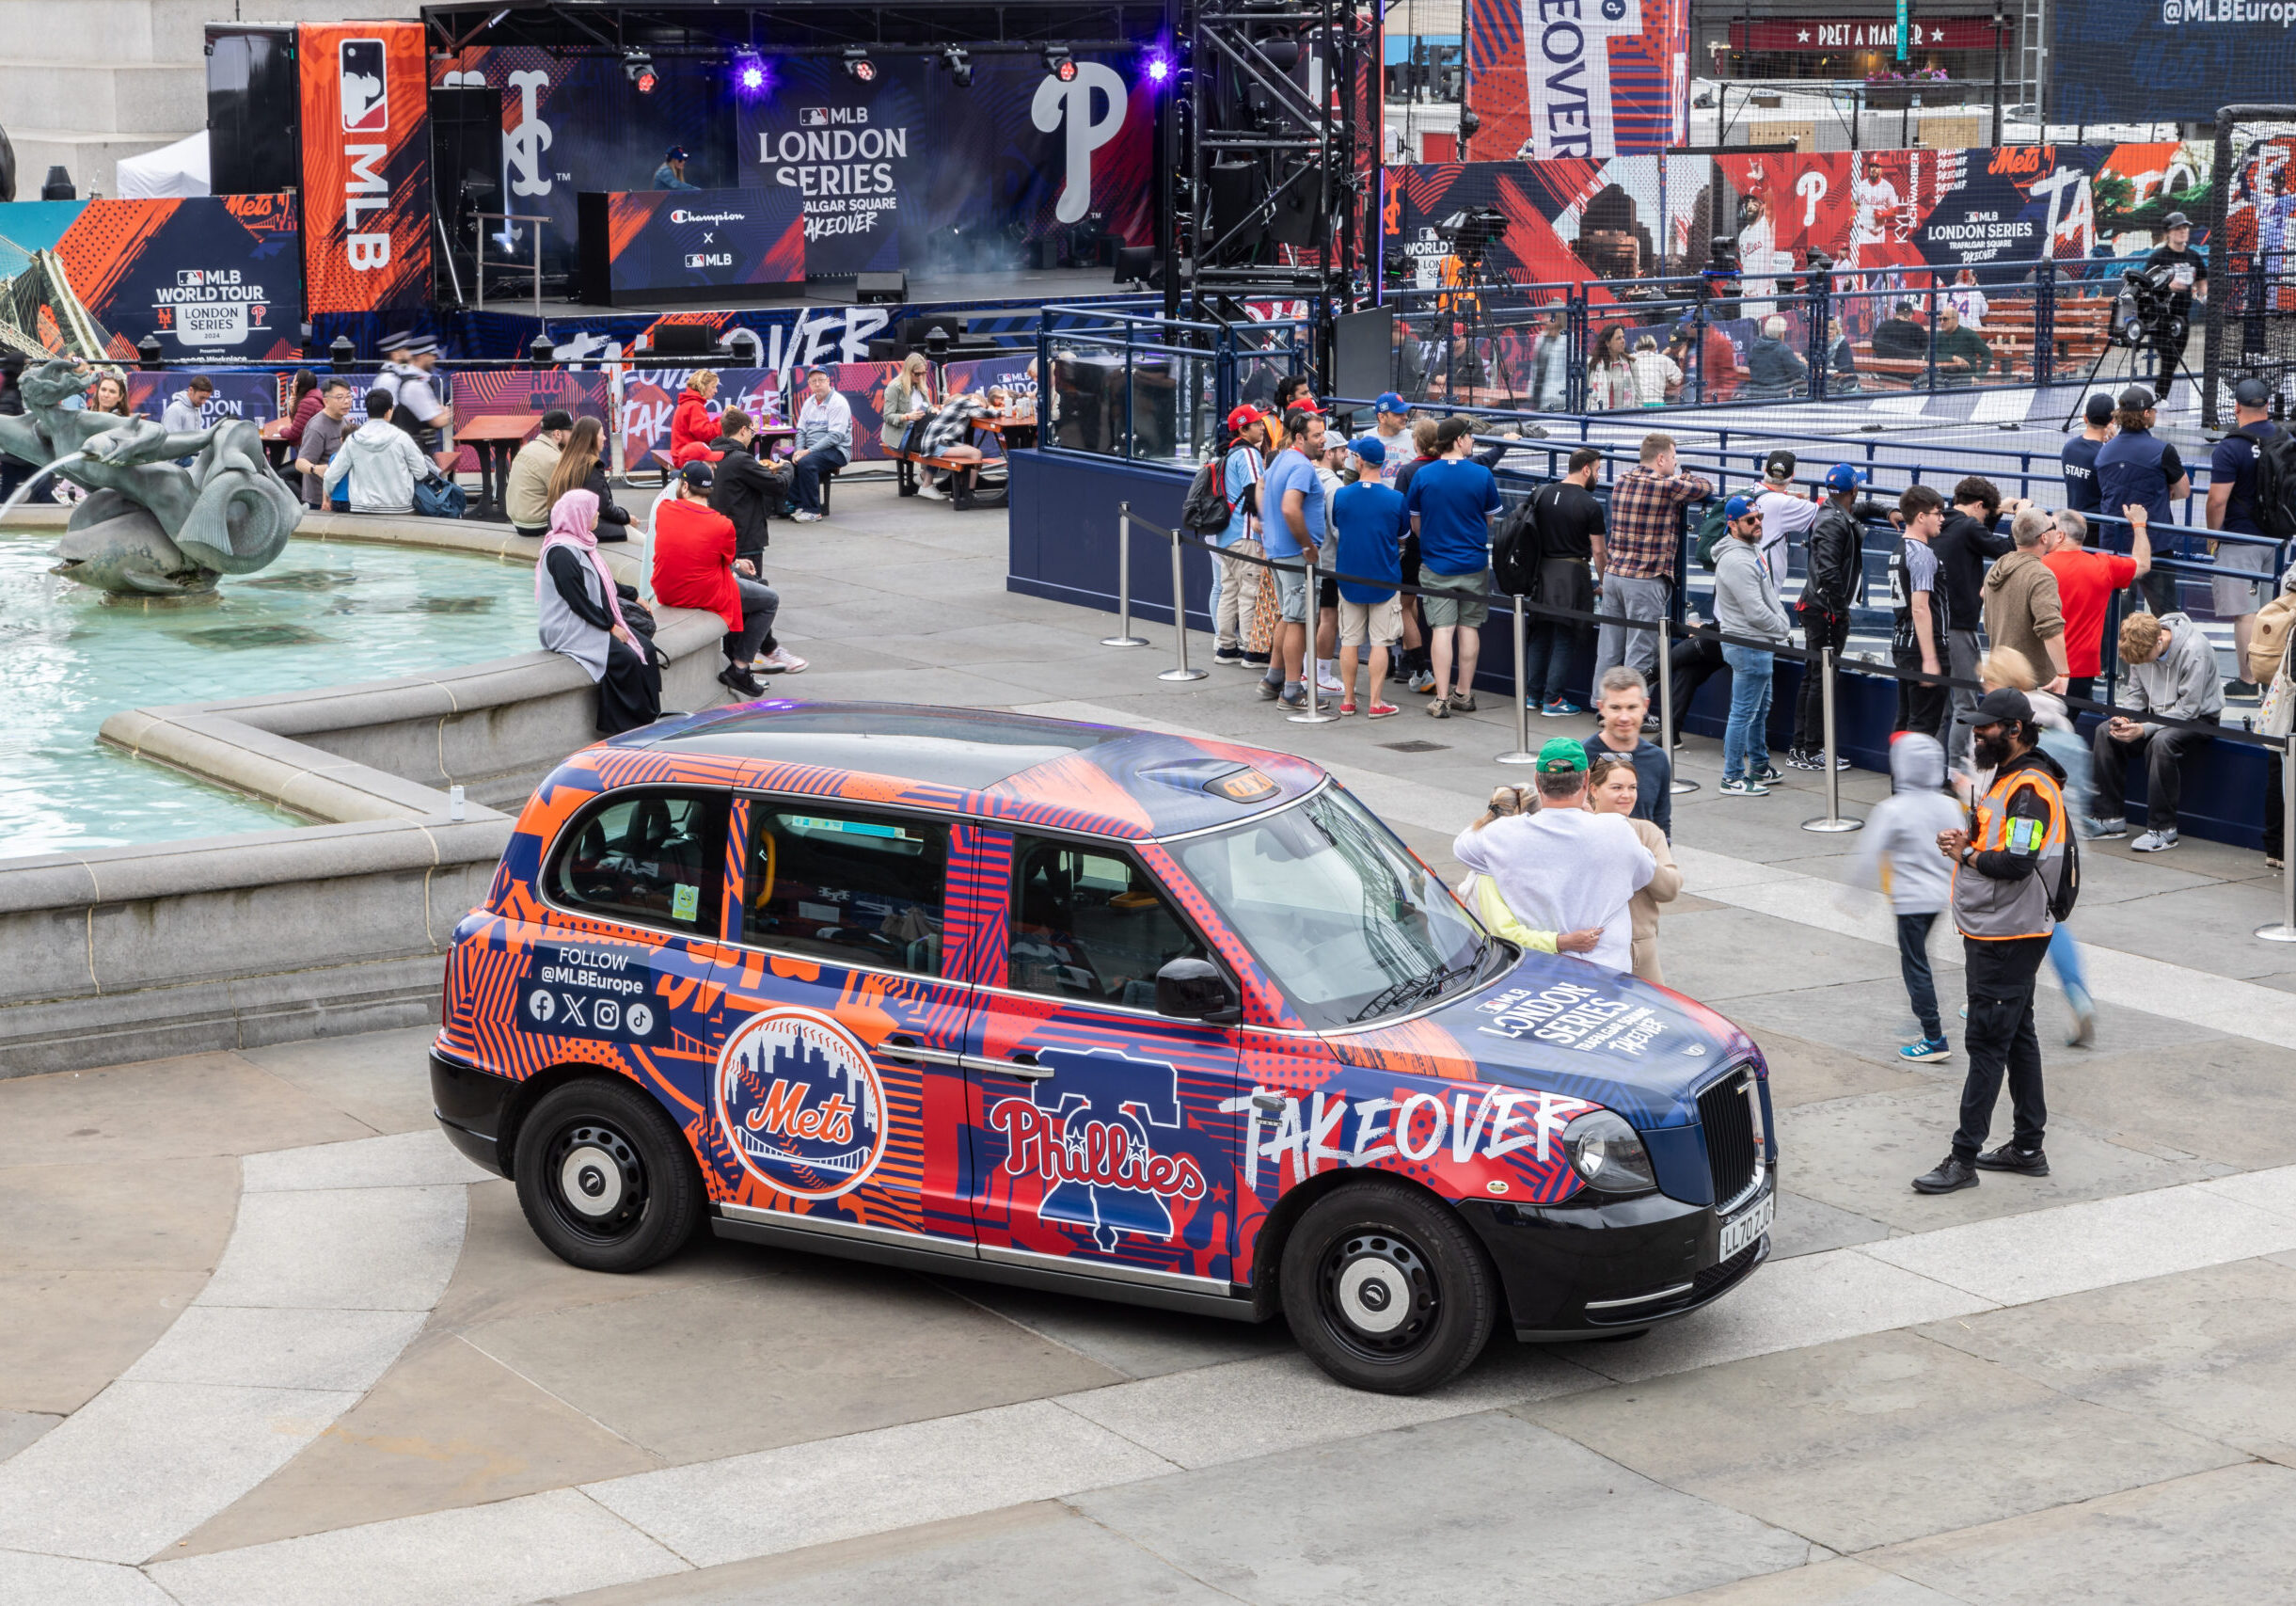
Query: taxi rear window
pixel 852 887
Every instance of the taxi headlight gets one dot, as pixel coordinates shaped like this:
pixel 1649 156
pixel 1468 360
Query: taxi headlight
pixel 1606 1152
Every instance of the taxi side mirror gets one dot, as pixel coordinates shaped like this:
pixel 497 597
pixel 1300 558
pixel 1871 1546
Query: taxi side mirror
pixel 1192 989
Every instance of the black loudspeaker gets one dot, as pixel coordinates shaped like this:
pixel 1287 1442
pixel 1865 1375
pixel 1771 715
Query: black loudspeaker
pixel 1135 262
pixel 917 331
pixel 1300 219
pixel 1235 194
pixel 254 104
pixel 889 289
pixel 683 339
pixel 1363 353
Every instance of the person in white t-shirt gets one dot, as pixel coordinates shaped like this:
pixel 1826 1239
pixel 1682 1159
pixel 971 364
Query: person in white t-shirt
pixel 1564 868
pixel 1877 202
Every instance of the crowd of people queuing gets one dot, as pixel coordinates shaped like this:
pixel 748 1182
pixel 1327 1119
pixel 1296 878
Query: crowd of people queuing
pixel 1993 784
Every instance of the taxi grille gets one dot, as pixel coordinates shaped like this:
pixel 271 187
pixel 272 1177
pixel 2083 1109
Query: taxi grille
pixel 1726 1118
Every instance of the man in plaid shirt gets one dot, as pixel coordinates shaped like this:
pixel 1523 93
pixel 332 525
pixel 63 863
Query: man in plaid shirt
pixel 1646 525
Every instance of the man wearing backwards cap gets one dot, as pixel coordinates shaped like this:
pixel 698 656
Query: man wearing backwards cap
pixel 2080 456
pixel 2007 866
pixel 2137 466
pixel 2232 506
pixel 1565 868
pixel 1235 584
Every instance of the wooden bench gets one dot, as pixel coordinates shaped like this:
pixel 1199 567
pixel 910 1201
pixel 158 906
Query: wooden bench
pixel 906 465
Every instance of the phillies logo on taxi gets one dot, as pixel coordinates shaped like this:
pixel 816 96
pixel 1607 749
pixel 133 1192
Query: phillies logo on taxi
pixel 1096 1154
pixel 800 1103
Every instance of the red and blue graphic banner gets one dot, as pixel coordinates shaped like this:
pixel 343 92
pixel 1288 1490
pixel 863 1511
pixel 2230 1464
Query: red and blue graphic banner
pixel 660 245
pixel 207 276
pixel 650 397
pixel 1585 79
pixel 366 166
pixel 517 393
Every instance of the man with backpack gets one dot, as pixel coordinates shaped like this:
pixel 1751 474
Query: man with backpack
pixel 1222 506
pixel 2016 874
pixel 2251 491
pixel 1837 569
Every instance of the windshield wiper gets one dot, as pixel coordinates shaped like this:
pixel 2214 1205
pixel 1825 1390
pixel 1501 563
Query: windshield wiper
pixel 1409 991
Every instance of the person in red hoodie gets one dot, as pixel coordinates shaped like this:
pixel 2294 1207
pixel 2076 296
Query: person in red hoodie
pixel 694 567
pixel 693 427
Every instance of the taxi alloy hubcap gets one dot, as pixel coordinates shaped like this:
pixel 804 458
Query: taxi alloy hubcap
pixel 599 1180
pixel 1382 1291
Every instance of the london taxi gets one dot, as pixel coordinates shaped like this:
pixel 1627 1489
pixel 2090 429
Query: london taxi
pixel 1087 1008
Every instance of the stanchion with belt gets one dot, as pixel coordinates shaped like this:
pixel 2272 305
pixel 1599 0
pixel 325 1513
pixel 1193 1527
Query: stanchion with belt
pixel 1522 752
pixel 1180 622
pixel 1124 637
pixel 1313 714
pixel 1833 821
pixel 2286 930
pixel 1676 784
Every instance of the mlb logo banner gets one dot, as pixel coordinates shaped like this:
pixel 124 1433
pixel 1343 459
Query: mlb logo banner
pixel 1586 78
pixel 366 167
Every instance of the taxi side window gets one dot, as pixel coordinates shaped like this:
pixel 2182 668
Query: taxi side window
pixel 855 888
pixel 656 858
pixel 1089 924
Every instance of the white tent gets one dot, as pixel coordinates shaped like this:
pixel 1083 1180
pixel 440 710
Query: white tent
pixel 178 169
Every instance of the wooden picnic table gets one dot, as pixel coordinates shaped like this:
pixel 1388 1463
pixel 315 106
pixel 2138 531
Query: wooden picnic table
pixel 279 449
pixel 493 436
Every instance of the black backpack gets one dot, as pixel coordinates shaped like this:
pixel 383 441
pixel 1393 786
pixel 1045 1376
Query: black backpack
pixel 1711 529
pixel 1206 510
pixel 1514 551
pixel 2276 510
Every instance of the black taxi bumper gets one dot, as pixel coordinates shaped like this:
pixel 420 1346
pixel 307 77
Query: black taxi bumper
pixel 469 1104
pixel 1581 1270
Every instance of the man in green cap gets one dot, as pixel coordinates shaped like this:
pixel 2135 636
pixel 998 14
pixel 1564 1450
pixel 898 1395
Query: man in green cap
pixel 1564 868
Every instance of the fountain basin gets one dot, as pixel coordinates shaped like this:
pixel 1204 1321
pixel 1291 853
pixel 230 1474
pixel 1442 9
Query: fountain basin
pixel 224 941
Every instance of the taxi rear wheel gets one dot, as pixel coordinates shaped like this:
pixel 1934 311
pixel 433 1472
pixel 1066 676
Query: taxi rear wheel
pixel 1386 1290
pixel 606 1181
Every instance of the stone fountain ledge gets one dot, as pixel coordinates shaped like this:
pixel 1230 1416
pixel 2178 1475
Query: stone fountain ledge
pixel 264 936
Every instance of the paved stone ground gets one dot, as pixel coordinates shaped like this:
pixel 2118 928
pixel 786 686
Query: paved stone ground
pixel 264 1338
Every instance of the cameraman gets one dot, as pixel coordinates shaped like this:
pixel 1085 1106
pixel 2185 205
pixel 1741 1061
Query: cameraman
pixel 2187 280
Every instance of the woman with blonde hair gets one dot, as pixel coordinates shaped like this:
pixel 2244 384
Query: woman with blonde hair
pixel 908 397
pixel 1612 787
pixel 1479 893
pixel 693 426
pixel 1656 375
pixel 581 467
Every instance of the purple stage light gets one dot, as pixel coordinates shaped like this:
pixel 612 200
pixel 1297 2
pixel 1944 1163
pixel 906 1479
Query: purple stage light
pixel 1159 69
pixel 751 78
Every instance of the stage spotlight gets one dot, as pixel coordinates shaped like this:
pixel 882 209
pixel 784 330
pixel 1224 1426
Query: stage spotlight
pixel 1159 67
pixel 750 76
pixel 959 66
pixel 639 67
pixel 1059 63
pixel 858 65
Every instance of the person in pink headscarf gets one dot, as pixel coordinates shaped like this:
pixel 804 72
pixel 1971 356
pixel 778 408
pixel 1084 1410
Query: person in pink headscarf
pixel 581 617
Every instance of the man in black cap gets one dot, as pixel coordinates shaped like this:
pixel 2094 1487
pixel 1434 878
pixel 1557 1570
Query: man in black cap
pixel 526 489
pixel 671 175
pixel 2188 279
pixel 2232 508
pixel 2009 865
pixel 2137 466
pixel 2080 456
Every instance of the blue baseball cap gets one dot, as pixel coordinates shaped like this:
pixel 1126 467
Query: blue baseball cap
pixel 1391 402
pixel 1370 449
pixel 1737 508
pixel 1845 477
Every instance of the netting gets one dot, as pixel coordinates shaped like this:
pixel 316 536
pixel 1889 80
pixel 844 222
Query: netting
pixel 39 313
pixel 2250 327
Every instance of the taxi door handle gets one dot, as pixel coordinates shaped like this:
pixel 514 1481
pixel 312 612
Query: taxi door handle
pixel 906 1047
pixel 1022 1065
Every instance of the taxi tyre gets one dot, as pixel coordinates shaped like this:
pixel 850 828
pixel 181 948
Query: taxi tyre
pixel 607 1182
pixel 1387 1289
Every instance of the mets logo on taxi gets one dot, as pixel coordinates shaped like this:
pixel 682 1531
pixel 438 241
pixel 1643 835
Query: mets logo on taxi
pixel 801 1102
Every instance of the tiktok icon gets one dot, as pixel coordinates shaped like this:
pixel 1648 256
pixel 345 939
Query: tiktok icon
pixel 1070 104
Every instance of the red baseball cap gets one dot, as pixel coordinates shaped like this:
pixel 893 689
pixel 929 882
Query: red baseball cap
pixel 1243 417
pixel 1305 404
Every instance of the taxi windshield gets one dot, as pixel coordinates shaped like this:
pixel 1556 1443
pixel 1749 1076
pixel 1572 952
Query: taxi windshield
pixel 1346 920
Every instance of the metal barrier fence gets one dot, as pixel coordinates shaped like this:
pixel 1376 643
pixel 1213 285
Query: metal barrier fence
pixel 1148 388
pixel 1755 341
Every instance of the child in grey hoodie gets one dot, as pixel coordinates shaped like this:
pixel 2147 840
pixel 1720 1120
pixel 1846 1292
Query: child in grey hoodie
pixel 1899 855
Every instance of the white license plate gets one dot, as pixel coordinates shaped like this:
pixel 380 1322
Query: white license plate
pixel 1748 1225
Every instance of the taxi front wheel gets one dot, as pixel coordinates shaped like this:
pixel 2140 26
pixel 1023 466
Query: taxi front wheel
pixel 1386 1290
pixel 605 1180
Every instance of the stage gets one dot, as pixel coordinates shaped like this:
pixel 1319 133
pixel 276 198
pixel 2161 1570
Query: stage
pixel 990 294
